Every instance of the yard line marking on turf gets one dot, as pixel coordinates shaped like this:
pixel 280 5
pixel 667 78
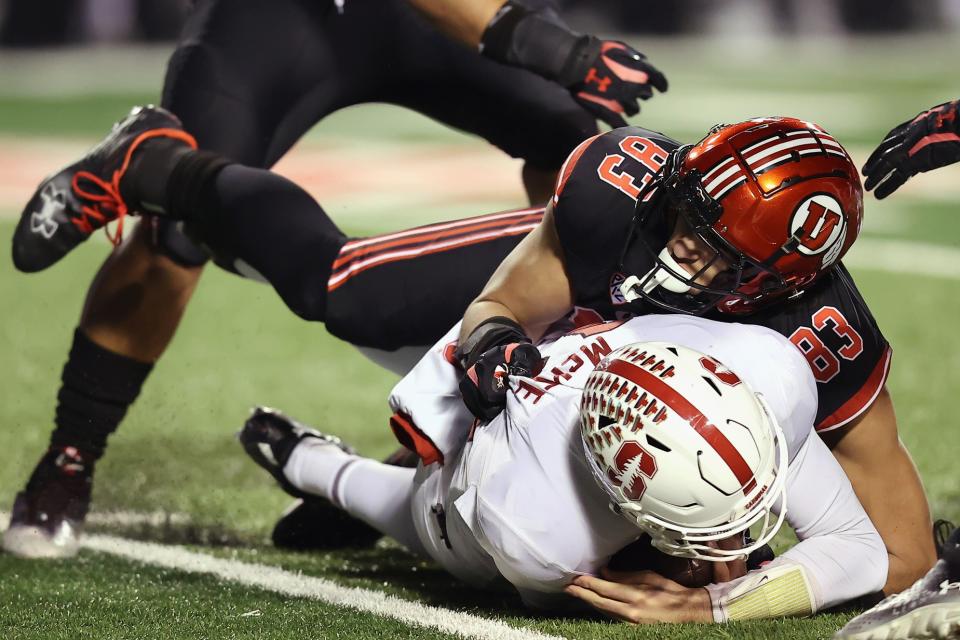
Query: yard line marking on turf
pixel 278 580
pixel 156 518
pixel 905 257
pixel 137 518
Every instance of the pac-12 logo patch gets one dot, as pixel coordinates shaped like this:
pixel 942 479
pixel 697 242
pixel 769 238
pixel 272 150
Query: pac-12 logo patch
pixel 616 297
pixel 820 226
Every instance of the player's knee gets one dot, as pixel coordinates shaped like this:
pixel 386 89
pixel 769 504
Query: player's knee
pixel 306 297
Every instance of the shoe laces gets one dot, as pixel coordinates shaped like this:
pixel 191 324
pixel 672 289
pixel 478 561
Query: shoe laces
pixel 106 205
pixel 105 201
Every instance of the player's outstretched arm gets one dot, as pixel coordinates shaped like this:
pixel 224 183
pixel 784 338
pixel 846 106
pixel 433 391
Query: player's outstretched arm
pixel 889 487
pixel 528 291
pixel 607 77
pixel 928 141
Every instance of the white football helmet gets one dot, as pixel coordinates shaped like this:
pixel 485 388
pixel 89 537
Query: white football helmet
pixel 684 449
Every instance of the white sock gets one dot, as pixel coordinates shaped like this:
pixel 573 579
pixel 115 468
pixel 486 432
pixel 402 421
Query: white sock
pixel 380 495
pixel 377 493
pixel 313 466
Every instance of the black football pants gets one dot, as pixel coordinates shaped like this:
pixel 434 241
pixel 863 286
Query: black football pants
pixel 385 292
pixel 250 77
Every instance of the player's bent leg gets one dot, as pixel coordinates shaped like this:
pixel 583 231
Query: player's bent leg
pixel 131 312
pixel 517 111
pixel 138 297
pixel 421 279
pixel 408 288
pixel 371 497
pixel 887 483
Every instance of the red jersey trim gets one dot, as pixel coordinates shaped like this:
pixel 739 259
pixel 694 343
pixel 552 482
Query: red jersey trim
pixel 570 163
pixel 862 399
pixel 411 437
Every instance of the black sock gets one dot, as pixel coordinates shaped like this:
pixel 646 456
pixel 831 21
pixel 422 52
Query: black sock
pixel 98 387
pixel 167 177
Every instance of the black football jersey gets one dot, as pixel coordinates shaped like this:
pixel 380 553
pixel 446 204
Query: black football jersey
pixel 593 209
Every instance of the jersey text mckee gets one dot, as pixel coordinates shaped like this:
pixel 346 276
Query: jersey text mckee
pixel 591 352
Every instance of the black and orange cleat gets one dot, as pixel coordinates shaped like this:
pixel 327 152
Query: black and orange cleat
pixel 69 205
pixel 48 514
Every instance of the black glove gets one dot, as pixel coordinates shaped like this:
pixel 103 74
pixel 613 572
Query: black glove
pixel 605 76
pixel 927 142
pixel 484 385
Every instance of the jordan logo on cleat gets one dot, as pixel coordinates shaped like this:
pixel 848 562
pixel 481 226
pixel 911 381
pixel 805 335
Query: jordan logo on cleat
pixel 43 222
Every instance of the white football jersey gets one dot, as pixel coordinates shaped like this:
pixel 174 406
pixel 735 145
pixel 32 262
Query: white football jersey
pixel 518 499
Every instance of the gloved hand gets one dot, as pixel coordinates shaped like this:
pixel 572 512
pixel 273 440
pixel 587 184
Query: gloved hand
pixel 484 385
pixel 927 142
pixel 608 77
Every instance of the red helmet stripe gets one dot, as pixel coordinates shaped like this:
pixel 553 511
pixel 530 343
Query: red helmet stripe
pixel 685 409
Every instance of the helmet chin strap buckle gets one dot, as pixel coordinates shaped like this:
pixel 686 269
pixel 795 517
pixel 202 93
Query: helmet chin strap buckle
pixel 634 287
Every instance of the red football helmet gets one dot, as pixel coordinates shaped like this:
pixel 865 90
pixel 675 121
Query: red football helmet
pixel 777 198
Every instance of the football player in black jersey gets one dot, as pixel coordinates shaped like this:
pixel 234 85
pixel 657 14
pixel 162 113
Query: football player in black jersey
pixel 248 78
pixel 931 607
pixel 748 225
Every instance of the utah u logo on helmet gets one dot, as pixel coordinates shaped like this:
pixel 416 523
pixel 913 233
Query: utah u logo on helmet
pixel 820 226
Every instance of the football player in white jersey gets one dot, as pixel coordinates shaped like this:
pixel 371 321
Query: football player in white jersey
pixel 689 430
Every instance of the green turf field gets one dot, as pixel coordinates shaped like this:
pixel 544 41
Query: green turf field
pixel 239 346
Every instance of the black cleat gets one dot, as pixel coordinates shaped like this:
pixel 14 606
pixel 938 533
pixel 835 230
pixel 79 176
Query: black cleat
pixel 71 204
pixel 48 515
pixel 311 523
pixel 315 524
pixel 269 438
pixel 943 532
pixel 928 609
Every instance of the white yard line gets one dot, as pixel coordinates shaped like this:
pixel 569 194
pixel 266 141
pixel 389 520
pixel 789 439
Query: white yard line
pixel 297 585
pixel 905 257
pixel 137 518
